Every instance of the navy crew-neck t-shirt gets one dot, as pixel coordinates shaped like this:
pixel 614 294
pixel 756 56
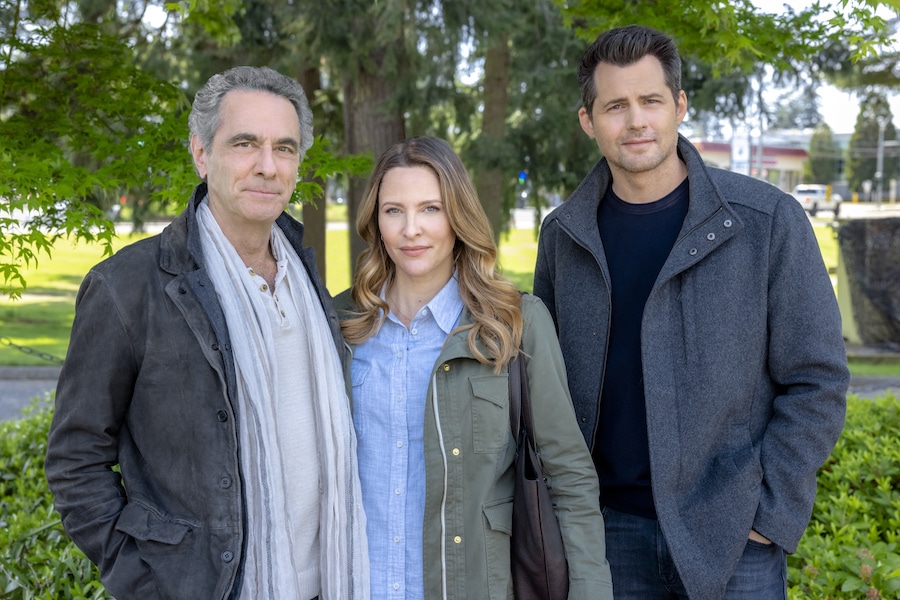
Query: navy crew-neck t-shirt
pixel 637 239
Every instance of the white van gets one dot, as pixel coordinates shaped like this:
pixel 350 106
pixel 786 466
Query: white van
pixel 814 197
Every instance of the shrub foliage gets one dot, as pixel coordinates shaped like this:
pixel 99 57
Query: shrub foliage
pixel 37 559
pixel 850 549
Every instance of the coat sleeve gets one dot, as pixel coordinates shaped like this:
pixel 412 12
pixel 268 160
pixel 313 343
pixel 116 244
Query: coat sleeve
pixel 808 365
pixel 543 284
pixel 92 397
pixel 565 457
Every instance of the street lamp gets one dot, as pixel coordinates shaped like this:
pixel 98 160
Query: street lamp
pixel 879 161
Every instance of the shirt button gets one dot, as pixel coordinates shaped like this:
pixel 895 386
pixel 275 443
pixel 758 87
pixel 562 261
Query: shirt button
pixel 396 586
pixel 399 444
pixel 414 331
pixel 456 452
pixel 263 288
pixel 227 556
pixel 458 539
pixel 397 538
pixel 398 491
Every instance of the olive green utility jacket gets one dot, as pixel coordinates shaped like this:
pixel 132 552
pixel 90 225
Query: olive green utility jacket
pixel 469 454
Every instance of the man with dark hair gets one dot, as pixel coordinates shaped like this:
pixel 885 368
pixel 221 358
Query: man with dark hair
pixel 207 364
pixel 702 341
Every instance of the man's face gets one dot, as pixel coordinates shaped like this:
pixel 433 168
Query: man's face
pixel 634 118
pixel 251 166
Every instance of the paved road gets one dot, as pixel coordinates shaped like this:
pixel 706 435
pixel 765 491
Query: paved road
pixel 18 385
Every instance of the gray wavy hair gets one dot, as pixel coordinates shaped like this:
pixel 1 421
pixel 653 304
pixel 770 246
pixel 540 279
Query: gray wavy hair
pixel 204 118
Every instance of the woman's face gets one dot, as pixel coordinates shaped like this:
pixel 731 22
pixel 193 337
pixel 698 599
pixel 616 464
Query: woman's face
pixel 414 226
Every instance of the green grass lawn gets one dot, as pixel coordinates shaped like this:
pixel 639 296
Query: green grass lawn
pixel 42 319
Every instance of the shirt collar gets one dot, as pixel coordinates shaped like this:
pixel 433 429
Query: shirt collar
pixel 446 306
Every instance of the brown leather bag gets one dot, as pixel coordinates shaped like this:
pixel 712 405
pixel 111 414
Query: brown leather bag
pixel 539 567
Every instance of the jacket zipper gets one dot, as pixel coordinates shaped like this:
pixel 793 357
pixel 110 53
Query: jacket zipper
pixel 437 419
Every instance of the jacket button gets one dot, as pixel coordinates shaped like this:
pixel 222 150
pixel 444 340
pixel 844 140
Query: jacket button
pixel 227 556
pixel 456 452
pixel 215 347
pixel 692 251
pixel 181 290
pixel 222 416
pixel 225 482
pixel 710 236
pixel 727 223
pixel 457 539
pixel 446 367
pixel 584 419
pixel 227 347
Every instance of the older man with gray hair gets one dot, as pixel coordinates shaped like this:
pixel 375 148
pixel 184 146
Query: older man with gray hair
pixel 206 363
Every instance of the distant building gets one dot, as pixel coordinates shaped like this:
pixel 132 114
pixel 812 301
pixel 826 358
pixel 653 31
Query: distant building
pixel 781 166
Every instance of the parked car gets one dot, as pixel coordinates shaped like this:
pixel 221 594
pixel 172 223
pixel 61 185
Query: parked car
pixel 814 197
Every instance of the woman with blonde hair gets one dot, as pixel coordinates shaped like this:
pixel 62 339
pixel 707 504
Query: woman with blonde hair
pixel 433 327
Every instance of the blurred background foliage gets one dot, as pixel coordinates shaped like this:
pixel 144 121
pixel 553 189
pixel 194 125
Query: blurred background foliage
pixel 94 93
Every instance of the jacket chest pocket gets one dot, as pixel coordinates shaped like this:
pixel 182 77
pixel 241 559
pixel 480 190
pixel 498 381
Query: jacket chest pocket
pixel 490 413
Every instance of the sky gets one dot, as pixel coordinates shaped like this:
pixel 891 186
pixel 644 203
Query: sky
pixel 839 109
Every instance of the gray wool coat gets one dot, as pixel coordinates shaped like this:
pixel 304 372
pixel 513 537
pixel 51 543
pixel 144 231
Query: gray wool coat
pixel 745 371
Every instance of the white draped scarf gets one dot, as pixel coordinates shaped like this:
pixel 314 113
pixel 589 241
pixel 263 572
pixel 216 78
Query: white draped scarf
pixel 343 552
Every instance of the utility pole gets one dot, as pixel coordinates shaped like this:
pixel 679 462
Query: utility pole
pixel 762 125
pixel 879 160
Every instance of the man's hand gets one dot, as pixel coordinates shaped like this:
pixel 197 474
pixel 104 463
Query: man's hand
pixel 756 537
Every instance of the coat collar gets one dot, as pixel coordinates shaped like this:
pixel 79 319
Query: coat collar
pixel 710 220
pixel 182 251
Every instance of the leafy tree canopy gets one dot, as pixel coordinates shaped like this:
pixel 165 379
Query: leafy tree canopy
pixel 737 34
pixel 79 124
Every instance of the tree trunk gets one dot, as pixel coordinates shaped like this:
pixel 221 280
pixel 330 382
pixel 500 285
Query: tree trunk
pixel 368 127
pixel 314 216
pixel 489 182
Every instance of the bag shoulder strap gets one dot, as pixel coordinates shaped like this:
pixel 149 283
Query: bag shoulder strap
pixel 515 394
pixel 520 397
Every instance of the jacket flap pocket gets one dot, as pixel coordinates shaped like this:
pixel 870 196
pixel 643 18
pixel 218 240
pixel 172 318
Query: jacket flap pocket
pixel 499 515
pixel 494 388
pixel 142 524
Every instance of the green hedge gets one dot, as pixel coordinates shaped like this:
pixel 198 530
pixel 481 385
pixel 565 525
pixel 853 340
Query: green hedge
pixel 37 560
pixel 849 550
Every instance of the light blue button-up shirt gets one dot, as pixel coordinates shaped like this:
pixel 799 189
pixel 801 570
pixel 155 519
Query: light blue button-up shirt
pixel 391 372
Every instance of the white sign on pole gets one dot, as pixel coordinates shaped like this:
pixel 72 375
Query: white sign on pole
pixel 740 151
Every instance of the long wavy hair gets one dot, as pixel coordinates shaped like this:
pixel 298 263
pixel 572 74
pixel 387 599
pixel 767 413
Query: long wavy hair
pixel 492 301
